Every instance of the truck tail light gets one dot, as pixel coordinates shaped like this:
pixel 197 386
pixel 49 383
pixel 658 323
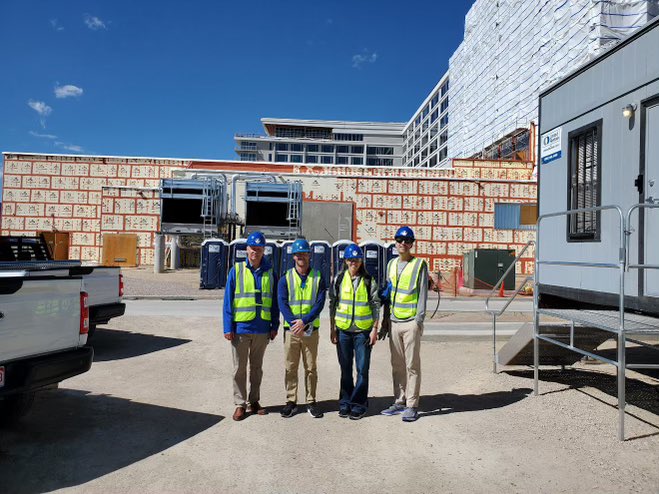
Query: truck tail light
pixel 121 285
pixel 84 313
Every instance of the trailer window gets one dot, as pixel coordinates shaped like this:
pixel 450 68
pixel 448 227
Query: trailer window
pixel 584 182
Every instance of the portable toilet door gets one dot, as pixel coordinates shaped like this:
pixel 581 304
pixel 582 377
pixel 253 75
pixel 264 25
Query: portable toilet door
pixel 321 259
pixel 213 272
pixel 373 259
pixel 338 249
pixel 272 252
pixel 287 261
pixel 237 251
pixel 390 252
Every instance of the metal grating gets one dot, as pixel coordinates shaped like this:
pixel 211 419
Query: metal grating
pixel 607 320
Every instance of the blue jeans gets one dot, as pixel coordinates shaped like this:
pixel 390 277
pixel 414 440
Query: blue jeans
pixel 354 396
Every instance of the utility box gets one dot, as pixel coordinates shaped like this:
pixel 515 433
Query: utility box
pixel 213 273
pixel 482 268
pixel 275 209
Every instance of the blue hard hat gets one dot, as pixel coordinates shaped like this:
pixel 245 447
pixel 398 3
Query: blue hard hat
pixel 404 232
pixel 300 246
pixel 256 239
pixel 353 251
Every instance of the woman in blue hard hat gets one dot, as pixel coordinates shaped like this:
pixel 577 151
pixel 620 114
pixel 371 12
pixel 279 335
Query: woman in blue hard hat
pixel 354 312
pixel 251 320
pixel 301 294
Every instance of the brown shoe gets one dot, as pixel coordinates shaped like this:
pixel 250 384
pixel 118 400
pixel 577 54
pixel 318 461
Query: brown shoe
pixel 239 414
pixel 257 409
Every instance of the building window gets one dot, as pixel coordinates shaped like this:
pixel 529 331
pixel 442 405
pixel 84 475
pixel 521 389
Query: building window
pixel 357 160
pixel 296 158
pixel 379 150
pixel 327 149
pixel 435 100
pixel 281 158
pixel 349 137
pixel 327 160
pixel 312 158
pixel 342 149
pixel 425 112
pixel 584 182
pixel 444 121
pixel 341 160
pixel 433 162
pixel 281 146
pixel 312 148
pixel 444 105
pixel 357 149
pixel 443 153
pixel 444 137
pixel 248 157
pixel 380 162
pixel 434 116
pixel 297 148
pixel 444 88
pixel 512 216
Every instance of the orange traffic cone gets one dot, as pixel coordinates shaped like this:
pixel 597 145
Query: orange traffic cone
pixel 502 293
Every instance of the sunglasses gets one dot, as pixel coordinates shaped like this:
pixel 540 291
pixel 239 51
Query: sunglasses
pixel 407 241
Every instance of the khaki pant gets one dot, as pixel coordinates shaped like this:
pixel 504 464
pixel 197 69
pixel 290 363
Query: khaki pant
pixel 248 348
pixel 307 346
pixel 405 345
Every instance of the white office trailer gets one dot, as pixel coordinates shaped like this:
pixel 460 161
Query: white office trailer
pixel 599 146
pixel 513 49
pixel 597 253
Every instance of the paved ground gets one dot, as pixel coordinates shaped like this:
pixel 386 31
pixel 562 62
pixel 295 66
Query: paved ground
pixel 153 415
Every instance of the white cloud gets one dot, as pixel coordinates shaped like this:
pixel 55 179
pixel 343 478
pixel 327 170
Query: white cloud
pixel 366 56
pixel 94 23
pixel 68 91
pixel 56 25
pixel 42 136
pixel 69 147
pixel 42 109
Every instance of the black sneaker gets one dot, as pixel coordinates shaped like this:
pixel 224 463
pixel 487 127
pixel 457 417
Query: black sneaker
pixel 289 410
pixel 344 412
pixel 357 415
pixel 313 411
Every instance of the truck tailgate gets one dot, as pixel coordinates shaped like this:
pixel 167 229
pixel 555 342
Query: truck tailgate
pixel 102 285
pixel 39 315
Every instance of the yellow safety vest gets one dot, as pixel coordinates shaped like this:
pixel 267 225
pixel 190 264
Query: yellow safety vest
pixel 404 295
pixel 244 298
pixel 353 306
pixel 300 299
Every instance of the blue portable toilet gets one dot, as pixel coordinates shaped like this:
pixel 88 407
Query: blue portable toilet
pixel 338 249
pixel 213 272
pixel 321 259
pixel 374 258
pixel 237 251
pixel 287 261
pixel 389 253
pixel 272 253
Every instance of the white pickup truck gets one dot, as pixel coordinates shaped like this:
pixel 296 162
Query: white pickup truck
pixel 44 322
pixel 104 285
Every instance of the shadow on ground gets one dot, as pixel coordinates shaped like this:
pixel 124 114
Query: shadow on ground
pixel 638 393
pixel 72 437
pixel 113 344
pixel 439 404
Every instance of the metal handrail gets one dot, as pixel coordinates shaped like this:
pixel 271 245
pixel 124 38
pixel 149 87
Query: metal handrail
pixel 497 313
pixel 628 234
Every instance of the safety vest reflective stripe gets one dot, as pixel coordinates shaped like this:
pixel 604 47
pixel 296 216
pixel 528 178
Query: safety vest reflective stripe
pixel 301 299
pixel 244 298
pixel 353 306
pixel 405 293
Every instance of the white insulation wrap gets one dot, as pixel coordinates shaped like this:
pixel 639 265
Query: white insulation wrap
pixel 513 49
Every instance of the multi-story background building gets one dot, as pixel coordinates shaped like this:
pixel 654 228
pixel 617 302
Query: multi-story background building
pixel 324 142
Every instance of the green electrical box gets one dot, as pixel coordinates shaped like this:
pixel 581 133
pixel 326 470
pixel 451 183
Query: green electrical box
pixel 482 268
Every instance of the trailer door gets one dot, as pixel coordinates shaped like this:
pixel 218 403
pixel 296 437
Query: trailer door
pixel 651 226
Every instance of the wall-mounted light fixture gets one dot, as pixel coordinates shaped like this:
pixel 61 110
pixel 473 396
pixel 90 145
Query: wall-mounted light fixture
pixel 628 111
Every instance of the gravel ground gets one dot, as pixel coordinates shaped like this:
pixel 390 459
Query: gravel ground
pixel 154 415
pixel 182 283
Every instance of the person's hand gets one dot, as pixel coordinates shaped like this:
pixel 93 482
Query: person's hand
pixel 273 335
pixel 334 337
pixel 229 336
pixel 374 336
pixel 297 327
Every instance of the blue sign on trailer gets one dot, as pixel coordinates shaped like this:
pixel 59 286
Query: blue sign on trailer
pixel 213 273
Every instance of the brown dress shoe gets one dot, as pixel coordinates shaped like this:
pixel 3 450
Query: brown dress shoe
pixel 239 414
pixel 256 408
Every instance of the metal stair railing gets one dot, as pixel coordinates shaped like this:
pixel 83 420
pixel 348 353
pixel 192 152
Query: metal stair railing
pixel 497 313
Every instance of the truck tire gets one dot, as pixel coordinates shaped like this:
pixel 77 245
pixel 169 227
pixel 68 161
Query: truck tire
pixel 13 407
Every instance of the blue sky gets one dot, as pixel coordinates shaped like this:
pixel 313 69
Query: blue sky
pixel 179 79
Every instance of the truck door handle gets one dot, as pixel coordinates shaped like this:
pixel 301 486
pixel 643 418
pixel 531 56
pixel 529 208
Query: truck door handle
pixel 2 315
pixel 638 183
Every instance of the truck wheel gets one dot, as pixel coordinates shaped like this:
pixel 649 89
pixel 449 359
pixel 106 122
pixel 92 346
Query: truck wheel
pixel 13 407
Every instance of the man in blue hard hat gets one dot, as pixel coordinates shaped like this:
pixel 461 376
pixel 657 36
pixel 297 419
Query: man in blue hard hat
pixel 301 295
pixel 251 320
pixel 407 291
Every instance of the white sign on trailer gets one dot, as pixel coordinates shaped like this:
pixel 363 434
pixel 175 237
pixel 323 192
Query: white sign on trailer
pixel 550 145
